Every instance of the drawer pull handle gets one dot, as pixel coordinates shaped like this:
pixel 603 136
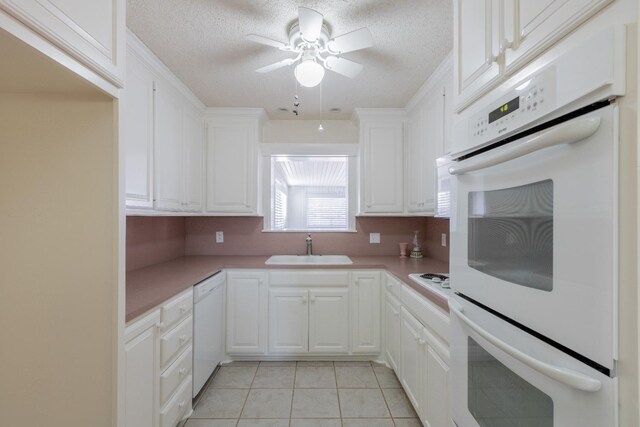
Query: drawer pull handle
pixel 304 300
pixel 182 339
pixel 313 299
pixel 422 342
pixel 182 372
pixel 160 325
pixel 181 404
pixel 183 309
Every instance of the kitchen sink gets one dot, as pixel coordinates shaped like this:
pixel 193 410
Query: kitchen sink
pixel 309 260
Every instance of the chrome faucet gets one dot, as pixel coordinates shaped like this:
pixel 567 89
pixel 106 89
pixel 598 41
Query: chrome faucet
pixel 309 243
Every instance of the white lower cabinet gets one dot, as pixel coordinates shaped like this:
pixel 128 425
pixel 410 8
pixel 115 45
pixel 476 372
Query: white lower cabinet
pixel 329 321
pixel 158 365
pixel 288 321
pixel 424 360
pixel 247 300
pixel 436 410
pixel 142 357
pixel 392 331
pixel 410 357
pixel 365 312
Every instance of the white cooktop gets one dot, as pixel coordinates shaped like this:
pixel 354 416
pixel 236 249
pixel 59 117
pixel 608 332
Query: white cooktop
pixel 431 285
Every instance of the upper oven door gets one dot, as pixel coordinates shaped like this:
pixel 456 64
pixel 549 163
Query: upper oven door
pixel 534 232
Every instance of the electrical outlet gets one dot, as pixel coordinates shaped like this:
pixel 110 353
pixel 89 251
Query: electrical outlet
pixel 219 237
pixel 374 237
pixel 444 240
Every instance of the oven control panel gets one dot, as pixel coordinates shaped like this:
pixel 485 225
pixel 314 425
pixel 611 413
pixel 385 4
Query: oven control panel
pixel 530 100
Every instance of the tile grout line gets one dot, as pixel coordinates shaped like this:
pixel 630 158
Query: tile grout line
pixel 293 391
pixel 384 397
pixel 335 377
pixel 246 399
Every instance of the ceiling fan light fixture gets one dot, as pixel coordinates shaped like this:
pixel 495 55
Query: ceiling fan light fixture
pixel 309 73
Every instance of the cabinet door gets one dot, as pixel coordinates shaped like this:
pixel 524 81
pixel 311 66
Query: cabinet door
pixel 411 357
pixel 142 357
pixel 231 168
pixel 436 408
pixel 137 134
pixel 193 145
pixel 476 37
pixel 91 31
pixel 365 309
pixel 383 166
pixel 533 26
pixel 416 150
pixel 288 321
pixel 328 321
pixel 434 142
pixel 168 151
pixel 392 331
pixel 247 300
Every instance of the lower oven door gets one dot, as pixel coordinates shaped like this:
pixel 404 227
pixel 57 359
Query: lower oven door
pixel 501 376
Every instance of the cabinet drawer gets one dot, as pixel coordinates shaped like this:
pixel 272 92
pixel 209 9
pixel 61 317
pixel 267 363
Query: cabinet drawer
pixel 176 309
pixel 174 374
pixel 172 342
pixel 308 278
pixel 428 313
pixel 177 407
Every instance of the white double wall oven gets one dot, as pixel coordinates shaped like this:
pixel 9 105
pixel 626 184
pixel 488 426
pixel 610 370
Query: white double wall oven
pixel 533 246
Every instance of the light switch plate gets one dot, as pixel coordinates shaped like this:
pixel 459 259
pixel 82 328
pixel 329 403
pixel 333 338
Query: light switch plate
pixel 219 237
pixel 374 237
pixel 444 240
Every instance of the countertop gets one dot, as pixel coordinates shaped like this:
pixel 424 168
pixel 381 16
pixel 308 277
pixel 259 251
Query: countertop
pixel 150 286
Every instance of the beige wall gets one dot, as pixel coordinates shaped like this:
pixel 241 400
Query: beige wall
pixel 306 131
pixel 58 232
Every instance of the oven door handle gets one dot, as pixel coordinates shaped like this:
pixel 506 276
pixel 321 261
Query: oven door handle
pixel 566 133
pixel 572 378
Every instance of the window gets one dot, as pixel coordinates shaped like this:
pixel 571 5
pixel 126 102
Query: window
pixel 310 193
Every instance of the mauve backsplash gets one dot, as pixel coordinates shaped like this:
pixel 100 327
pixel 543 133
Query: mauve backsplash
pixel 244 236
pixel 153 239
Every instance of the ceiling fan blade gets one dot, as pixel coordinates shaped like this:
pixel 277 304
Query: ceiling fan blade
pixel 266 41
pixel 343 66
pixel 355 40
pixel 310 23
pixel 276 65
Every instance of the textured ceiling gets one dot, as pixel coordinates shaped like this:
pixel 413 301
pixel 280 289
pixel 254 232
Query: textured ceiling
pixel 202 42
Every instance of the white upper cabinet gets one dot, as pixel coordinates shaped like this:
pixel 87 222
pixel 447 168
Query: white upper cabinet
pixel 93 32
pixel 137 133
pixel 232 161
pixel 163 138
pixel 382 161
pixel 178 154
pixel 428 137
pixel 193 146
pixel 476 40
pixel 494 38
pixel 168 150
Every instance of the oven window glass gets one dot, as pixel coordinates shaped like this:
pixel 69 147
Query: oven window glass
pixel 511 234
pixel 497 397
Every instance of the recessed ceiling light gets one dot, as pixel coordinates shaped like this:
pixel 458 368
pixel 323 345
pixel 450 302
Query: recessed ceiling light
pixel 335 110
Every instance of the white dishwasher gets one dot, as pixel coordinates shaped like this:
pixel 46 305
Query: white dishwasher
pixel 208 329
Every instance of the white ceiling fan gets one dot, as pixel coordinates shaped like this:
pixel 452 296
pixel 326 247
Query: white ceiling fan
pixel 309 38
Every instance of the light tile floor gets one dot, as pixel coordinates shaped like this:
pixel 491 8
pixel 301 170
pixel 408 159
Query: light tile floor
pixel 303 394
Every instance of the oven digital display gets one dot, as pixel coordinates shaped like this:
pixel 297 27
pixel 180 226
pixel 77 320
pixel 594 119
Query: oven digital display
pixel 504 109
